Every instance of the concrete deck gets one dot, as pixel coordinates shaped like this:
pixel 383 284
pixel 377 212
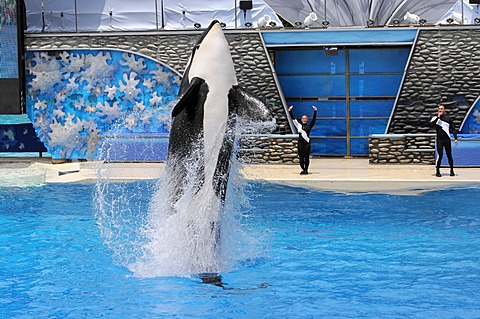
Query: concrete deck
pixel 333 174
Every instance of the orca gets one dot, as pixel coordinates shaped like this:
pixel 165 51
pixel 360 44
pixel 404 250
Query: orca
pixel 202 134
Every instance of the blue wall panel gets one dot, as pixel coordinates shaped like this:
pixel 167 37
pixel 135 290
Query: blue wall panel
pixel 375 84
pixel 309 62
pixel 329 146
pixel 312 86
pixel 324 109
pixel 371 108
pixel 378 61
pixel 354 91
pixel 365 127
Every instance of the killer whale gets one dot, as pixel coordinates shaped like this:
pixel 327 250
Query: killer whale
pixel 202 134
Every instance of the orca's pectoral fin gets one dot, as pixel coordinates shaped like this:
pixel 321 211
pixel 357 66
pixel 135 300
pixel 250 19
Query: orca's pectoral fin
pixel 189 98
pixel 247 105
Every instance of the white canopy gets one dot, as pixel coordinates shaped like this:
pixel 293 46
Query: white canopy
pixel 133 15
pixel 347 13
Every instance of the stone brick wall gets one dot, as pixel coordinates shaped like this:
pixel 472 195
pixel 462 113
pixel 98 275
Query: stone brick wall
pixel 444 67
pixel 272 149
pixel 173 49
pixel 402 149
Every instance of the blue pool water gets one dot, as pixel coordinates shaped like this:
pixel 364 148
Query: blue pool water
pixel 327 255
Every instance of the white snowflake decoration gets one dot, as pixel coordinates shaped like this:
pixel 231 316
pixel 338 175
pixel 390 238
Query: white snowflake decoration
pixel 131 121
pixel 66 136
pixel 156 100
pixel 161 77
pixel 146 116
pixel 109 114
pixel 97 69
pixel 132 64
pixel 46 71
pixel 72 85
pixel 78 105
pixel 40 105
pixel 111 90
pixel 149 84
pixel 139 107
pixel 129 88
pixel 476 115
pixel 91 109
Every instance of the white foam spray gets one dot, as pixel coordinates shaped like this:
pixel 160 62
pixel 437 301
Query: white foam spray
pixel 193 233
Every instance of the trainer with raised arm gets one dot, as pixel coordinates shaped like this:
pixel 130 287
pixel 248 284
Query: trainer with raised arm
pixel 304 128
pixel 444 126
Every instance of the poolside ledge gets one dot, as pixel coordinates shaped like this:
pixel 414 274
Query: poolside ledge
pixel 331 174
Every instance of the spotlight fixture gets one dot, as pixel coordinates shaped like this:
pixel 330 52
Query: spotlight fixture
pixel 423 21
pixel 325 23
pixel 248 24
pixel 297 24
pixel 457 17
pixel 197 26
pixel 310 19
pixel 449 20
pixel 272 24
pixel 370 23
pixel 411 18
pixel 477 20
pixel 263 21
pixel 223 25
pixel 396 22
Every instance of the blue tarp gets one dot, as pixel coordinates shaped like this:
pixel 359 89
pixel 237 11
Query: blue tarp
pixel 19 138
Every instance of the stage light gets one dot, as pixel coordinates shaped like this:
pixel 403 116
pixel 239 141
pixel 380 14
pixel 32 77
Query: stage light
pixel 325 23
pixel 423 21
pixel 223 25
pixel 457 17
pixel 297 24
pixel 248 24
pixel 272 24
pixel 197 26
pixel 310 19
pixel 370 23
pixel 477 20
pixel 396 22
pixel 411 18
pixel 263 21
pixel 450 20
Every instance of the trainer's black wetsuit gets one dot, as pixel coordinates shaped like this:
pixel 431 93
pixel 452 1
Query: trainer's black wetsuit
pixel 444 126
pixel 304 140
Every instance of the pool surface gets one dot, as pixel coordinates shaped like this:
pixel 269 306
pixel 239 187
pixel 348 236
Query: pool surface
pixel 326 255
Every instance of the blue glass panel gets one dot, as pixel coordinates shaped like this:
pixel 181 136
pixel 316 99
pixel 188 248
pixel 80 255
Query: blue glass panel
pixel 330 146
pixel 359 146
pixel 371 108
pixel 329 128
pixel 308 62
pixel 313 86
pixel 365 127
pixel 375 85
pixel 378 60
pixel 324 109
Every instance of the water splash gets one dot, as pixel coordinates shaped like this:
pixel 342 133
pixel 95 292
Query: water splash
pixel 155 231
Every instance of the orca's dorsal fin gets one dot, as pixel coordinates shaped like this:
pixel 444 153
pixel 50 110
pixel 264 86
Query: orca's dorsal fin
pixel 247 105
pixel 189 98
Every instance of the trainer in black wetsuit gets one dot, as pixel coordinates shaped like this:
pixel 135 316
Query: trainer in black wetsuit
pixel 443 124
pixel 304 130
